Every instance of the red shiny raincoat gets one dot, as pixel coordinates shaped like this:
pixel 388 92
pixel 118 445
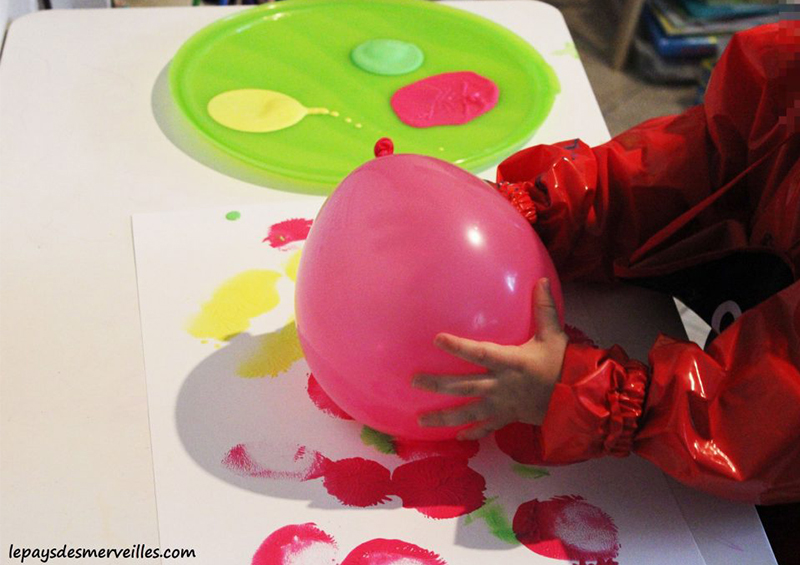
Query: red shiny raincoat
pixel 704 205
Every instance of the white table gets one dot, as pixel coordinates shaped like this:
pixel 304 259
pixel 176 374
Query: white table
pixel 85 131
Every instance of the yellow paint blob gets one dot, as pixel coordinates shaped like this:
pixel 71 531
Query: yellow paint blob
pixel 276 353
pixel 234 303
pixel 292 265
pixel 258 111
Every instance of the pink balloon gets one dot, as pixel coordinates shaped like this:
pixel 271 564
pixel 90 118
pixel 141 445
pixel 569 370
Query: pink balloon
pixel 407 247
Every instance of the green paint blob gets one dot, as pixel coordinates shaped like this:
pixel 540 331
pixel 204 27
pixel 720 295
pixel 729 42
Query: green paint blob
pixel 379 440
pixel 529 472
pixel 387 57
pixel 496 518
pixel 233 216
pixel 569 50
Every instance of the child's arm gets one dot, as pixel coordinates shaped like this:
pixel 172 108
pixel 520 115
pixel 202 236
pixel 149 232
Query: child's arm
pixel 594 207
pixel 726 421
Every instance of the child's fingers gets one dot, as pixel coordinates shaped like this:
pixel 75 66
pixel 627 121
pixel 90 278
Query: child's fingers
pixel 483 353
pixel 544 310
pixel 478 431
pixel 474 412
pixel 456 385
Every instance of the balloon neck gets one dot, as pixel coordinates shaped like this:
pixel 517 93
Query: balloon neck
pixel 383 147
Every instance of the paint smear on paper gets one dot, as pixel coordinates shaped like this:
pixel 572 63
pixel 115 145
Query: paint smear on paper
pixel 566 527
pixel 292 264
pixel 529 472
pixel 288 231
pixel 269 460
pixel 391 552
pixel 232 306
pixel 321 400
pixel 413 450
pixel 569 50
pixel 357 481
pixel 496 519
pixel 297 544
pixel 275 354
pixel 439 487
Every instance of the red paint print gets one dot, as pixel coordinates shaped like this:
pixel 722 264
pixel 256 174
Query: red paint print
pixel 324 402
pixel 391 552
pixel 439 487
pixel 288 231
pixel 357 481
pixel 412 450
pixel 445 99
pixel 297 544
pixel 294 462
pixel 567 527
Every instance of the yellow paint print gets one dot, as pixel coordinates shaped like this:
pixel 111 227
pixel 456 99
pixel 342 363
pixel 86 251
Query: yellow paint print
pixel 292 264
pixel 276 353
pixel 235 303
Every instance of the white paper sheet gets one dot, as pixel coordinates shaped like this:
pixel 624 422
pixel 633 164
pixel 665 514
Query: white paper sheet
pixel 235 455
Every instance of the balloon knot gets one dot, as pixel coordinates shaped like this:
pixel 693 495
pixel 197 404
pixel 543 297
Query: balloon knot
pixel 383 147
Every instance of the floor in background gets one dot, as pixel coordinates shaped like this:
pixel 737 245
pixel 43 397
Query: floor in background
pixel 624 98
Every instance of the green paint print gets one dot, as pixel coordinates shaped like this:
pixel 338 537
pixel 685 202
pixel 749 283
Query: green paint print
pixel 529 472
pixel 233 216
pixel 496 518
pixel 379 440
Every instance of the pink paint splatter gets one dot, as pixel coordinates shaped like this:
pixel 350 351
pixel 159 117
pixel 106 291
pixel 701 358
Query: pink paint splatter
pixel 288 231
pixel 445 99
pixel 357 481
pixel 293 462
pixel 324 402
pixel 567 527
pixel 391 552
pixel 306 544
pixel 412 450
pixel 297 544
pixel 439 487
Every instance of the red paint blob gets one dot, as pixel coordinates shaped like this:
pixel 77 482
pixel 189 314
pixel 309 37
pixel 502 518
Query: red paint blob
pixel 445 99
pixel 521 442
pixel 567 527
pixel 439 487
pixel 357 482
pixel 411 450
pixel 391 551
pixel 298 544
pixel 384 146
pixel 288 231
pixel 298 463
pixel 322 401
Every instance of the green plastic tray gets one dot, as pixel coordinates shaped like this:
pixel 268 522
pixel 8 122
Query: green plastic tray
pixel 302 48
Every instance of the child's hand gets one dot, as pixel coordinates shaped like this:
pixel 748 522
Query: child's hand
pixel 519 381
